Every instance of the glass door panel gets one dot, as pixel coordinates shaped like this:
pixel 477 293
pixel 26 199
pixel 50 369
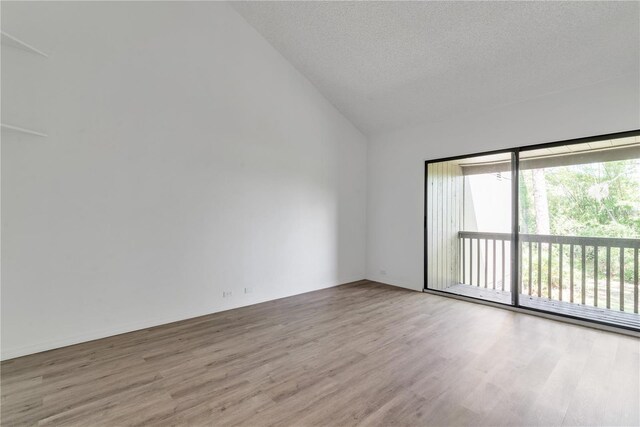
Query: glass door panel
pixel 468 227
pixel 579 213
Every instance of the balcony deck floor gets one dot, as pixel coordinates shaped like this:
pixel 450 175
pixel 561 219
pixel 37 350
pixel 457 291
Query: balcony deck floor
pixel 600 314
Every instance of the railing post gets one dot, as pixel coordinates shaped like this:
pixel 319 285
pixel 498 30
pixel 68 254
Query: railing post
pixel 549 268
pixel 530 266
pixel 471 261
pixel 503 260
pixel 571 273
pixel 595 276
pixel 494 263
pixel 635 280
pixel 520 271
pixel 486 262
pixel 583 295
pixel 479 262
pixel 621 279
pixel 464 263
pixel 608 276
pixel 539 269
pixel 560 251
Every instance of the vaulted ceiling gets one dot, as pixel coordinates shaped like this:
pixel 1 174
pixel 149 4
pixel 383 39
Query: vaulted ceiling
pixel 387 65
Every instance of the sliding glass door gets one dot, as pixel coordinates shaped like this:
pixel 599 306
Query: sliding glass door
pixel 580 229
pixel 575 249
pixel 469 208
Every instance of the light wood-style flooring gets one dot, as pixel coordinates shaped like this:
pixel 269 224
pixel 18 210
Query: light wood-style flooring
pixel 359 354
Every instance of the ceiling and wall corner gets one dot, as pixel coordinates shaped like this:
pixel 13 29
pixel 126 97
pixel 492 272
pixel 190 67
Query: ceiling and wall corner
pixel 391 65
pixel 433 79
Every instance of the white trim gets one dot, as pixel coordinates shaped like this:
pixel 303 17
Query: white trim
pixel 12 353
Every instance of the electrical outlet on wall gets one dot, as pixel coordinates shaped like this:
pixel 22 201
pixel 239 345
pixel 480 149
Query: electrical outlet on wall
pixel 226 294
pixel 248 290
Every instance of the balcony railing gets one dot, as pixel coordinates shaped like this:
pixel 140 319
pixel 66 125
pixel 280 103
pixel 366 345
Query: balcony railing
pixel 594 271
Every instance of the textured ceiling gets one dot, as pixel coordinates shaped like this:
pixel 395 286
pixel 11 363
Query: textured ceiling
pixel 387 65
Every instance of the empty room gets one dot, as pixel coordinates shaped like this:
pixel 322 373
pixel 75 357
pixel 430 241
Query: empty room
pixel 308 213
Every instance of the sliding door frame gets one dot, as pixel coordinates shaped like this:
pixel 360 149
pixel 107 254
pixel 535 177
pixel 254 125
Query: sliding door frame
pixel 515 219
pixel 515 227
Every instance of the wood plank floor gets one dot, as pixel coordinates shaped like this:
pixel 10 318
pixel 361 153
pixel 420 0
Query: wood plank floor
pixel 364 354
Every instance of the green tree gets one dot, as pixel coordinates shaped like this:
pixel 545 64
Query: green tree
pixel 598 199
pixel 589 200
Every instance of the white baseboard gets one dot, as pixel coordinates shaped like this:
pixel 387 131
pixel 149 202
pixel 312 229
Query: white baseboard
pixel 12 353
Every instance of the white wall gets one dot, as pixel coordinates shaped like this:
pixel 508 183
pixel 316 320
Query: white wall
pixel 395 239
pixel 185 157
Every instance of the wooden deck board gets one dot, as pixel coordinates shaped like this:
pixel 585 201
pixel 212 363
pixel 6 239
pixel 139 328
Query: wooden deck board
pixel 600 314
